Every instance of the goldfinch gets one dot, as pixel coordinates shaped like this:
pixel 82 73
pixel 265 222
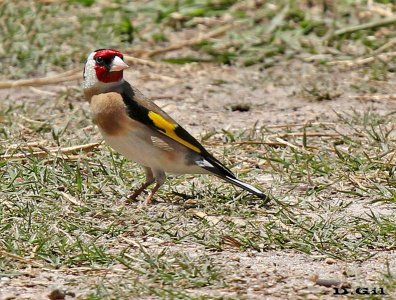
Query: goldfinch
pixel 141 131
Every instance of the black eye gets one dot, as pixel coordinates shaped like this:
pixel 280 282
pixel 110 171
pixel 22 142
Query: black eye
pixel 99 60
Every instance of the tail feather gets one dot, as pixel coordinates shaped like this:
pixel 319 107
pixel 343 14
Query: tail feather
pixel 246 186
pixel 212 165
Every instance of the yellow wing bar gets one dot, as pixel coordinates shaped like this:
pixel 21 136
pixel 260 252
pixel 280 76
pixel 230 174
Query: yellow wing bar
pixel 169 130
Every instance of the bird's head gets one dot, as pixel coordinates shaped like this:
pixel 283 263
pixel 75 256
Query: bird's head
pixel 104 66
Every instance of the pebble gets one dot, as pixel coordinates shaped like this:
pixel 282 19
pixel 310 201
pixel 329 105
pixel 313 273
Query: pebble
pixel 330 261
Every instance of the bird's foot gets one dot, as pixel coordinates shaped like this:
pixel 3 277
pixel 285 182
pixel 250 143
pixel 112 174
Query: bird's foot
pixel 132 197
pixel 149 199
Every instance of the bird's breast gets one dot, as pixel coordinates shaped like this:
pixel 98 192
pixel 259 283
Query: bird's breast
pixel 109 113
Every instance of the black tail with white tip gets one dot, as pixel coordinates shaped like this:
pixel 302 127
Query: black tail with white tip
pixel 214 166
pixel 245 186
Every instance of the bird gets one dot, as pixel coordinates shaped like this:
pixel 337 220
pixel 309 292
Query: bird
pixel 137 128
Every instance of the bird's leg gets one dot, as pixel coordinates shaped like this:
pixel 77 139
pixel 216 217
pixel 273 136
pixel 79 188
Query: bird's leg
pixel 149 180
pixel 159 179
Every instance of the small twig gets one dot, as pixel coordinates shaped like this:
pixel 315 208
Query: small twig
pixel 383 22
pixel 212 220
pixel 283 143
pixel 62 77
pixel 358 62
pixel 308 124
pixel 131 242
pixel 66 150
pixel 25 145
pixel 21 259
pixel 71 199
pixel 139 61
pixel 84 147
pixel 191 42
pixel 268 143
pixel 38 91
pixel 311 134
pixel 70 75
pixel 159 97
pixel 375 97
pixel 384 47
pixel 291 145
pixel 83 270
pixel 31 120
pixel 355 181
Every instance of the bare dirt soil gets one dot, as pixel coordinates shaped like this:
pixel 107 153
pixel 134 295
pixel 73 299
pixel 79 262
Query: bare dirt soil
pixel 206 98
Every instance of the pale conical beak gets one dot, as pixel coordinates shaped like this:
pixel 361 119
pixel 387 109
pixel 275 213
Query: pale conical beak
pixel 118 64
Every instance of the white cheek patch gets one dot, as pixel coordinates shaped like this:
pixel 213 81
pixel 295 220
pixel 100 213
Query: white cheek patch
pixel 89 65
pixel 89 72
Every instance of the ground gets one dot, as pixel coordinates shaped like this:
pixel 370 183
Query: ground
pixel 317 137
